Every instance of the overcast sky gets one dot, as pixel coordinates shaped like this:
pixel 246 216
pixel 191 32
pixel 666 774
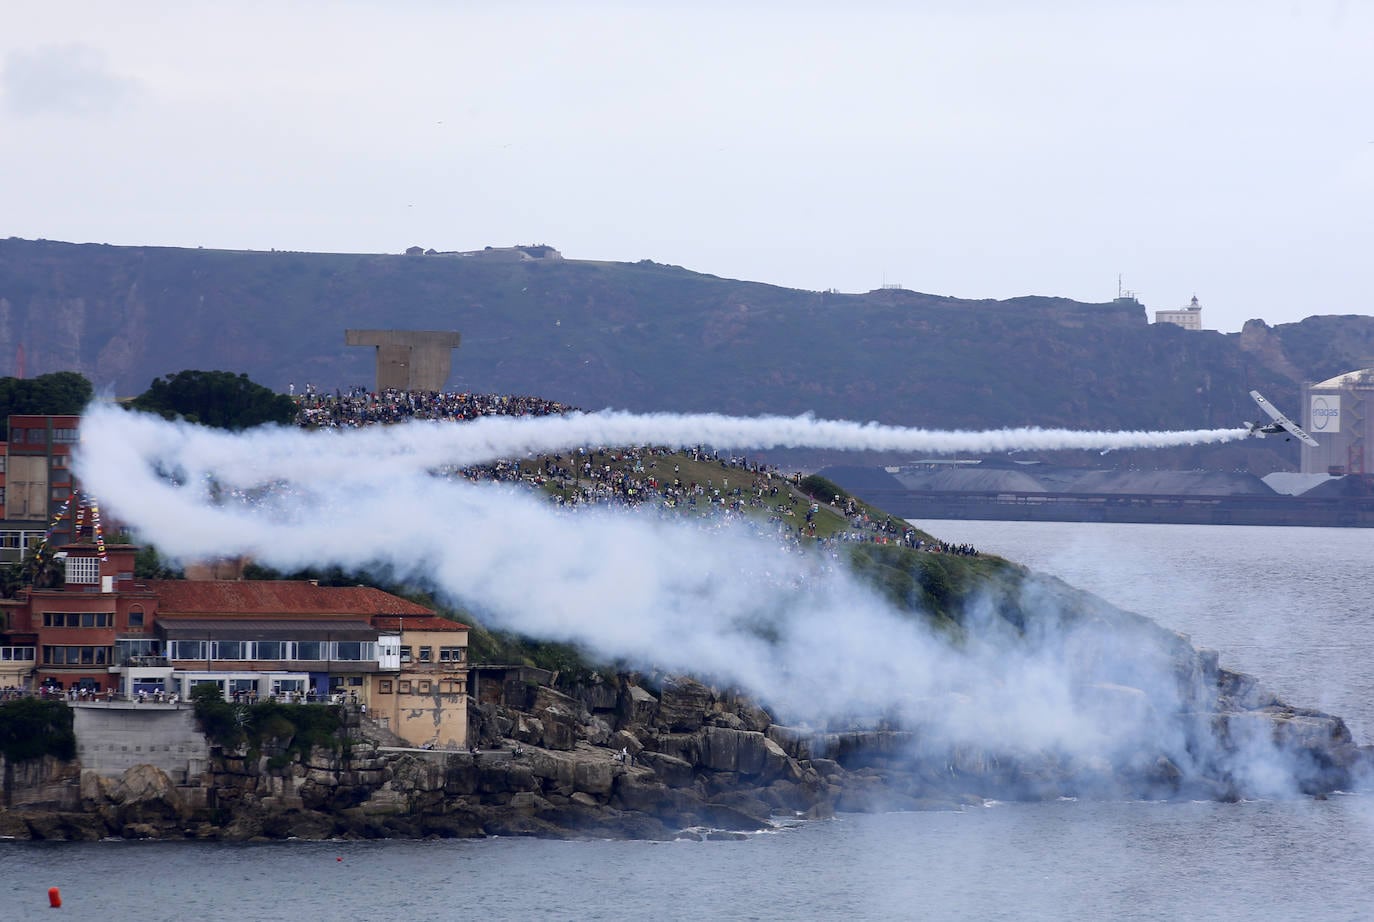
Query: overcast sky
pixel 985 148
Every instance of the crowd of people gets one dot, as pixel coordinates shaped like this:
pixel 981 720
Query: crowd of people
pixel 598 476
pixel 361 407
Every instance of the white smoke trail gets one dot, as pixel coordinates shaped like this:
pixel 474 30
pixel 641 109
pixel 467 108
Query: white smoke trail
pixel 423 445
pixel 704 597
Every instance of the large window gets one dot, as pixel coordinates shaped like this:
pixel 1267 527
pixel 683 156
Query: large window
pixel 309 649
pixel 17 654
pixel 78 619
pixel 64 435
pixel 348 650
pixel 76 656
pixel 83 569
pixel 450 654
pixel 230 649
pixel 186 649
pixel 271 649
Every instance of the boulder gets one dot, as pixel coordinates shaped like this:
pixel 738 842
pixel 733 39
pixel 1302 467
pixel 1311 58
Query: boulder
pixel 625 740
pixel 560 729
pixel 672 771
pixel 637 707
pixel 596 731
pixel 683 704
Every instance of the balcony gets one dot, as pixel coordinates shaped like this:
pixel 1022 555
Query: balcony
pixel 142 661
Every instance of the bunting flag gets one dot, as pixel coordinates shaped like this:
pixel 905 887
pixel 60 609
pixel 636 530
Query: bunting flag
pixel 96 529
pixel 82 504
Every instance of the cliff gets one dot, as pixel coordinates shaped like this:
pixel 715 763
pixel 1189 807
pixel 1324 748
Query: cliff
pixel 646 336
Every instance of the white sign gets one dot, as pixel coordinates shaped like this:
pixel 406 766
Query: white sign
pixel 1326 413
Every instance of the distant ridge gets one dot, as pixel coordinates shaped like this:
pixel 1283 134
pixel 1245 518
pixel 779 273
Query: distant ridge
pixel 647 336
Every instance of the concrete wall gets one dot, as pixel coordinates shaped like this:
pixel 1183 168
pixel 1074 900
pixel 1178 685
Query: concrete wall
pixel 414 360
pixel 111 738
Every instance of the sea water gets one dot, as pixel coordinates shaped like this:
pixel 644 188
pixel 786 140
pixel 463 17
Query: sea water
pixel 1290 605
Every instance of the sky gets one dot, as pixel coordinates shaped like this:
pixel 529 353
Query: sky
pixel 979 149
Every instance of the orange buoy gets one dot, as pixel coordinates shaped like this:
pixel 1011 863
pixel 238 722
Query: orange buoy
pixel 54 898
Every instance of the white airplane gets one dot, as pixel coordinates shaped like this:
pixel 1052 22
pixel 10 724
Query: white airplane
pixel 1280 424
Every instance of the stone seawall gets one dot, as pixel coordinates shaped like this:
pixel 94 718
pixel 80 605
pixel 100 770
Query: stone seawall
pixel 113 738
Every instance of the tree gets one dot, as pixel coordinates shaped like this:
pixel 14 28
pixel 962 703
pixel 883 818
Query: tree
pixel 60 393
pixel 220 399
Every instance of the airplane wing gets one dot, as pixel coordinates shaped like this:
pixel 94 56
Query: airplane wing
pixel 1283 421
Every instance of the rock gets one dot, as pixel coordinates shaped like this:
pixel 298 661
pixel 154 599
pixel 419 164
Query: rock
pixel 12 825
pixel 683 704
pixel 640 791
pixel 583 799
pixel 528 729
pixel 637 707
pixel 546 698
pixel 528 802
pixel 740 751
pixel 560 729
pixel 723 816
pixel 672 771
pixel 624 739
pixel 598 695
pixel 596 731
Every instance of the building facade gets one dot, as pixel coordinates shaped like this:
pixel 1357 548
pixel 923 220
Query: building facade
pixel 35 481
pixel 105 634
pixel 1189 317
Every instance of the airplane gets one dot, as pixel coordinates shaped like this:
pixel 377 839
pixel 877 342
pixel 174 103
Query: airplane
pixel 1280 423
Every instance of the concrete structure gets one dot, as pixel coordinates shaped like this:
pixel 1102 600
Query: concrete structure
pixel 409 360
pixel 115 736
pixel 1190 317
pixel 1339 413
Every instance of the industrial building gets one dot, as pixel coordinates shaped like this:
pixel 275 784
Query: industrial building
pixel 1339 415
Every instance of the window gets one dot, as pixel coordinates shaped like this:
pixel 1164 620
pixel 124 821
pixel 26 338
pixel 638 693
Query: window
pixel 230 649
pixel 424 687
pixel 271 649
pixel 355 680
pixel 349 650
pixel 59 461
pixel 61 493
pixel 83 569
pixel 136 617
pixel 76 656
pixel 426 654
pixel 404 686
pixel 186 649
pixel 384 687
pixel 450 654
pixel 309 649
pixel 78 619
pixel 62 435
pixel 453 687
pixel 405 654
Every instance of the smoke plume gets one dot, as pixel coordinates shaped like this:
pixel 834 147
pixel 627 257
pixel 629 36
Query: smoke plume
pixel 706 596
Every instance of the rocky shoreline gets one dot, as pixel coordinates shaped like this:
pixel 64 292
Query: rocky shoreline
pixel 616 758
